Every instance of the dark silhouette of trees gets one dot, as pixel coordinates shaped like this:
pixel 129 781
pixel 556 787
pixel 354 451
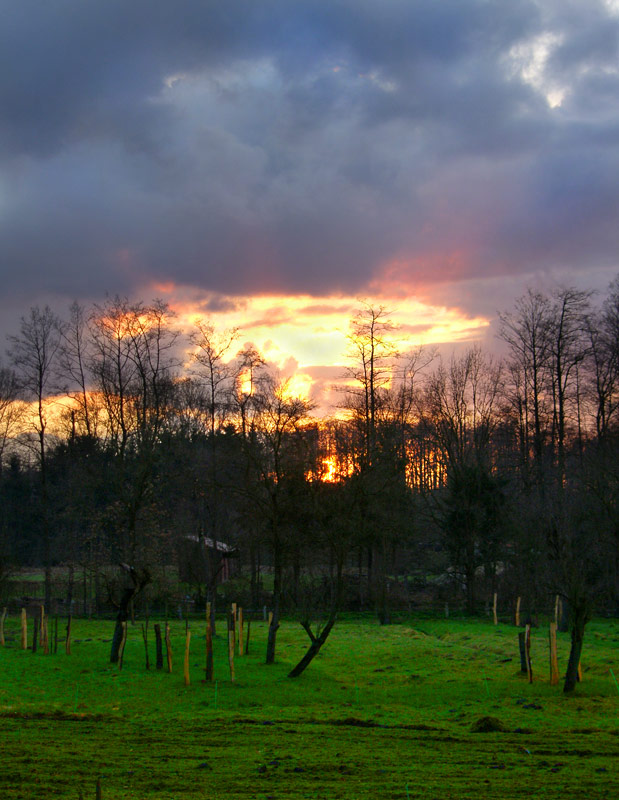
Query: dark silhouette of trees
pixel 215 372
pixel 371 353
pixel 526 331
pixel 11 410
pixel 277 462
pixel 460 415
pixel 33 352
pixel 502 476
pixel 132 364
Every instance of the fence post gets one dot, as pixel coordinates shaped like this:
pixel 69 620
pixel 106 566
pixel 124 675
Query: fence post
pixel 554 666
pixel 24 630
pixel 231 637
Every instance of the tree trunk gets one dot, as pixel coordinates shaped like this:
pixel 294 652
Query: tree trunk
pixel 211 569
pixel 138 581
pixel 121 618
pixel 70 585
pixel 314 648
pixel 277 592
pixel 272 635
pixel 318 641
pixel 579 620
pixel 158 647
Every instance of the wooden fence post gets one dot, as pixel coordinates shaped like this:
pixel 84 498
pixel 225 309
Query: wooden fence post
pixel 231 637
pixel 145 637
pixel 494 609
pixel 241 642
pixel 2 618
pixel 247 638
pixel 554 665
pixel 517 620
pixel 24 630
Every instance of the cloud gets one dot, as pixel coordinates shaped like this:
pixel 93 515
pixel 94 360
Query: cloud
pixel 307 148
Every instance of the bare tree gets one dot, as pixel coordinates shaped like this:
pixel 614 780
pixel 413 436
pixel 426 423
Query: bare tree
pixel 526 331
pixel 371 352
pixel 11 409
pixel 132 363
pixel 212 351
pixel 460 414
pixel 568 349
pixel 603 362
pixel 73 359
pixel 34 352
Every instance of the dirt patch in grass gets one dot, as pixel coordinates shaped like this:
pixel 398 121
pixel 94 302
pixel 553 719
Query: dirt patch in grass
pixel 488 725
pixel 57 716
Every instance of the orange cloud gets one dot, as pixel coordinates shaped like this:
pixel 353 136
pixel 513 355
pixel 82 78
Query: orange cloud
pixel 306 337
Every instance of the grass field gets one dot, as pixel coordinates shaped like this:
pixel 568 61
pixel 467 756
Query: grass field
pixel 381 713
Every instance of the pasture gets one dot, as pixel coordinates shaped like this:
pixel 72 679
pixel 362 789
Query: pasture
pixel 382 712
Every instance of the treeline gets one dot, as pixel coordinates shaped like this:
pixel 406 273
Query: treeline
pixel 120 438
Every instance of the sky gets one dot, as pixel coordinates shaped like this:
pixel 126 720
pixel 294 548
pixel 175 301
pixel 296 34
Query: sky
pixel 271 164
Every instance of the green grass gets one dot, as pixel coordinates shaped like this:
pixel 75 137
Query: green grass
pixel 381 713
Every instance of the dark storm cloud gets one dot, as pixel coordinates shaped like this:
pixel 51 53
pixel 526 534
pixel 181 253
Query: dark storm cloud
pixel 303 146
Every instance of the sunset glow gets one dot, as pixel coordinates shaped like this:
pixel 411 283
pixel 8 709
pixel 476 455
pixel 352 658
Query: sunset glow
pixel 305 338
pixel 330 471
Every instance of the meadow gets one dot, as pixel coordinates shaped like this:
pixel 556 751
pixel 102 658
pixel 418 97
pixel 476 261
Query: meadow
pixel 382 712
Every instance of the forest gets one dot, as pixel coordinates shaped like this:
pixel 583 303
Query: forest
pixel 125 443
